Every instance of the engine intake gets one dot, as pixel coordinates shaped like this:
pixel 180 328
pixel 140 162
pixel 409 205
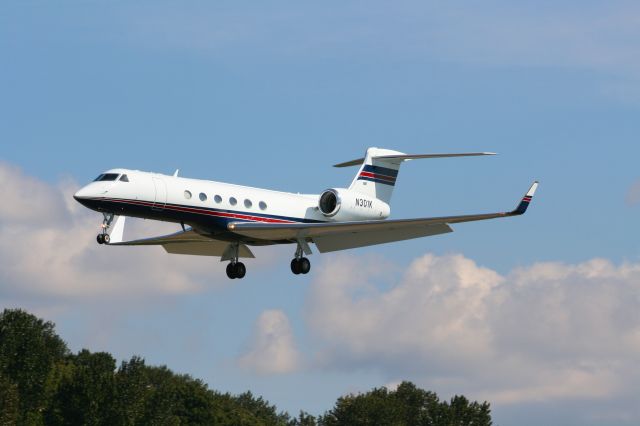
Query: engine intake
pixel 329 203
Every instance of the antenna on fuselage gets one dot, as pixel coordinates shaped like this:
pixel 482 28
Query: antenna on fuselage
pixel 175 174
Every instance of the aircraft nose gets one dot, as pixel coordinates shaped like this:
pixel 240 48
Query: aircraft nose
pixel 81 194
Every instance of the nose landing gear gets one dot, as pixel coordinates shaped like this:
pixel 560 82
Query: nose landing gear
pixel 103 237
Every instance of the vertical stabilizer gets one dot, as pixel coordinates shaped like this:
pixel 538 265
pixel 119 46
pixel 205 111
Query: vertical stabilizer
pixel 377 176
pixel 379 170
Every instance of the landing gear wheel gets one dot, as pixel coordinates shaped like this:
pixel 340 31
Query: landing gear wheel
pixel 106 238
pixel 241 270
pixel 231 270
pixel 236 270
pixel 305 265
pixel 295 266
pixel 100 238
pixel 300 266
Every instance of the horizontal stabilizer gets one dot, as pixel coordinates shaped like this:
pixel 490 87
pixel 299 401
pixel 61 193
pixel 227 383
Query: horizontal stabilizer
pixel 405 157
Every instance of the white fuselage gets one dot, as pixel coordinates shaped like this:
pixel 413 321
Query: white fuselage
pixel 207 205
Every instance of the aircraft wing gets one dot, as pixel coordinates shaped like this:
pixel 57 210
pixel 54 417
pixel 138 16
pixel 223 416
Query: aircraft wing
pixel 332 236
pixel 183 242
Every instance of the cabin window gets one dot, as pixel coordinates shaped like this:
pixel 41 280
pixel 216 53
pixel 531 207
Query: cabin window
pixel 217 199
pixel 203 196
pixel 248 204
pixel 107 177
pixel 124 178
pixel 187 195
pixel 233 201
pixel 263 205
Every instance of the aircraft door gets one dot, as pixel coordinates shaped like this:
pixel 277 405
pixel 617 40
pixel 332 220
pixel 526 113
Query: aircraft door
pixel 161 194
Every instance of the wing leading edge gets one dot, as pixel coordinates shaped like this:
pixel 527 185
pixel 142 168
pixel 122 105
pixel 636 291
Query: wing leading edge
pixel 344 235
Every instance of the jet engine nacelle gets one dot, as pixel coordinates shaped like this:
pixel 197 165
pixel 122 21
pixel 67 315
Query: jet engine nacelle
pixel 343 205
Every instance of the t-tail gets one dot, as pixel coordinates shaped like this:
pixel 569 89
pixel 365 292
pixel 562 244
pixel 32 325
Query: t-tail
pixel 379 170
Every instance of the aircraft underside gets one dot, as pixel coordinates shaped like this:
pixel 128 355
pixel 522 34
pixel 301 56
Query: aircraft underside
pixel 211 224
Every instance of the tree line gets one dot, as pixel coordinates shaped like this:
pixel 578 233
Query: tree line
pixel 43 383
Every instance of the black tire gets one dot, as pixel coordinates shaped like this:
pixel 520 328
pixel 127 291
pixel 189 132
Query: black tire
pixel 100 239
pixel 106 238
pixel 305 265
pixel 231 270
pixel 295 266
pixel 240 270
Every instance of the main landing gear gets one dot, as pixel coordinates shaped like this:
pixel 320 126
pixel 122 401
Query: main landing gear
pixel 300 264
pixel 236 270
pixel 103 237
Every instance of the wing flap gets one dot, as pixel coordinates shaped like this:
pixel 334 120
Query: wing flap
pixel 181 236
pixel 205 248
pixel 188 242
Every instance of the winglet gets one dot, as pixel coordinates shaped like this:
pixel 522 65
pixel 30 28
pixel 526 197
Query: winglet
pixel 522 207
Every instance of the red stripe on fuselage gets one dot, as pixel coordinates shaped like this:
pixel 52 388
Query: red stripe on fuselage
pixel 377 176
pixel 200 211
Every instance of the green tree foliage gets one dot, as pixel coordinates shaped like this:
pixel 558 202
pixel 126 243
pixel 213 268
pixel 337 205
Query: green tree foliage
pixel 41 382
pixel 29 349
pixel 155 395
pixel 406 406
pixel 85 390
pixel 9 402
pixel 260 408
pixel 462 412
pixel 303 419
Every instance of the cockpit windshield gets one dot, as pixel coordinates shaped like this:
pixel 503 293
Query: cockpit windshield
pixel 106 177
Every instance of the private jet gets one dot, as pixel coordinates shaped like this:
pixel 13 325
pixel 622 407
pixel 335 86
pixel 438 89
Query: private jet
pixel 222 219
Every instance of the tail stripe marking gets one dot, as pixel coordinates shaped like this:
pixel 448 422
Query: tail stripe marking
pixel 376 176
pixel 376 180
pixel 380 170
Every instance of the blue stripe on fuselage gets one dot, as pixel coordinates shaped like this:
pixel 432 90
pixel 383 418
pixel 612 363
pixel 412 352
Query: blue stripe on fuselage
pixel 207 216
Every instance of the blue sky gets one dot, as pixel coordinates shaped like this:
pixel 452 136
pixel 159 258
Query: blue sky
pixel 273 95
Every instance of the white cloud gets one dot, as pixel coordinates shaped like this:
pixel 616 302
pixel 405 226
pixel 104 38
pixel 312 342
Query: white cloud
pixel 273 349
pixel 48 251
pixel 539 333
